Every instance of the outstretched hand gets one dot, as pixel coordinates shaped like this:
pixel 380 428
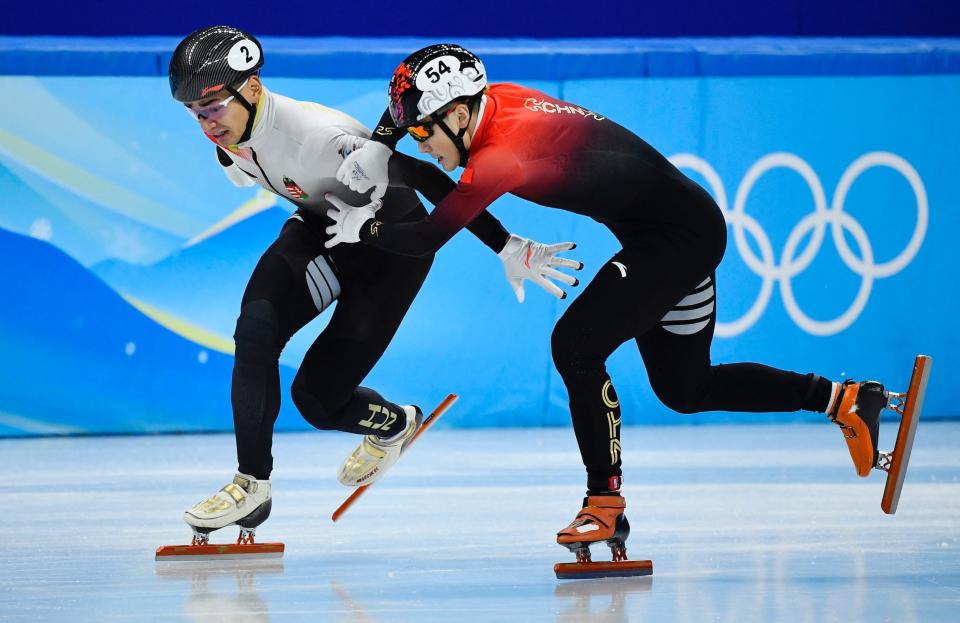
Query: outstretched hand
pixel 347 220
pixel 525 259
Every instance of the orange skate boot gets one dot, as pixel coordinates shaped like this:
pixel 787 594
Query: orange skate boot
pixel 857 412
pixel 600 519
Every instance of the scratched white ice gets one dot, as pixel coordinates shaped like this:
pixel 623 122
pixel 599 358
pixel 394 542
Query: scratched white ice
pixel 743 523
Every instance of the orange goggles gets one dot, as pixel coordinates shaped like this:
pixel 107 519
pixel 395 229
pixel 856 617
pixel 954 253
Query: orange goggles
pixel 421 133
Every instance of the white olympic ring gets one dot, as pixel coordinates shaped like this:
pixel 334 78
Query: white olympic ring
pixel 792 264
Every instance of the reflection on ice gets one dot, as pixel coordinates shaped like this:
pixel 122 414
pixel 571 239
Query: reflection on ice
pixel 233 596
pixel 598 601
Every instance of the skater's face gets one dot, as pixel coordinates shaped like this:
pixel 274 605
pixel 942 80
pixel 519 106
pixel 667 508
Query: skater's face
pixel 439 145
pixel 221 116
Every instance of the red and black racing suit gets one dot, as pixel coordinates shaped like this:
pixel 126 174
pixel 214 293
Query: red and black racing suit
pixel 659 289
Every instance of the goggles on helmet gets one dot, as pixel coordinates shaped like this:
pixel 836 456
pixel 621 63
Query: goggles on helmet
pixel 212 112
pixel 422 132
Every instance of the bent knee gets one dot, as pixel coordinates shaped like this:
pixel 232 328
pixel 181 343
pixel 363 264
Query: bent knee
pixel 680 398
pixel 311 406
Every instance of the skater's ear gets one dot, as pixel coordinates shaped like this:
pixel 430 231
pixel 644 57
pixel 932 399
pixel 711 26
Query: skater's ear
pixel 253 89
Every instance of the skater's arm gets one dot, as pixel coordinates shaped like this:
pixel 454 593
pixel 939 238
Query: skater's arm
pixel 386 132
pixel 325 145
pixel 435 185
pixel 490 174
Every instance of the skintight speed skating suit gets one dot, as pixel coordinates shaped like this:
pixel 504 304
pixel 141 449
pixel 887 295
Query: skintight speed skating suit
pixel 294 150
pixel 658 290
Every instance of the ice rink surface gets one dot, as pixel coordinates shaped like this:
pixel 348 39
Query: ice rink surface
pixel 743 523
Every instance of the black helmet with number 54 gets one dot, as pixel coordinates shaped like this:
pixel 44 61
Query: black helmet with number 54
pixel 213 59
pixel 431 78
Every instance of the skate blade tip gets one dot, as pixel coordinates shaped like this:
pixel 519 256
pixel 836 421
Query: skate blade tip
pixel 590 570
pixel 173 553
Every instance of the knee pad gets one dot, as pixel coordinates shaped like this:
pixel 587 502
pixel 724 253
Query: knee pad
pixel 568 347
pixel 257 336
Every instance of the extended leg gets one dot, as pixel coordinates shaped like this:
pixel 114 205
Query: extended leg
pixel 676 353
pixel 677 357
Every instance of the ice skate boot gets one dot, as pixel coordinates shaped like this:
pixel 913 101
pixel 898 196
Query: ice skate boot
pixel 245 502
pixel 423 426
pixel 601 519
pixel 374 456
pixel 857 413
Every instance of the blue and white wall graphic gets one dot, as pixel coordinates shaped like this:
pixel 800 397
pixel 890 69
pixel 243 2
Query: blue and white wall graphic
pixel 125 251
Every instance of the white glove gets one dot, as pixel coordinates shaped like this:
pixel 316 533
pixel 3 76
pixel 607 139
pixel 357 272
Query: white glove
pixel 526 259
pixel 366 167
pixel 347 220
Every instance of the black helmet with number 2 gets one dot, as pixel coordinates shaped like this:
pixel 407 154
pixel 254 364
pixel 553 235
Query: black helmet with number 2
pixel 213 59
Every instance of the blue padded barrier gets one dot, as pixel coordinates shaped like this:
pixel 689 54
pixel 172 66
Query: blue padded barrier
pixel 557 59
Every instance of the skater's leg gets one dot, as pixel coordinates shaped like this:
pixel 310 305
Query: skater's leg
pixel 276 304
pixel 629 294
pixel 677 357
pixel 676 353
pixel 255 390
pixel 377 291
pixel 658 266
pixel 327 393
pixel 327 390
pixel 622 300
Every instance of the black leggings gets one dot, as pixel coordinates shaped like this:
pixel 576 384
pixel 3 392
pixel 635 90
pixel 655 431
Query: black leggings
pixel 295 279
pixel 660 291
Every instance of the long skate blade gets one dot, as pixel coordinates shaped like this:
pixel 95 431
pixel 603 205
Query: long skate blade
pixel 219 552
pixel 601 569
pixel 908 428
pixel 427 423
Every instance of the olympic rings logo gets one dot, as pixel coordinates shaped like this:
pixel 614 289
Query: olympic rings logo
pixel 792 261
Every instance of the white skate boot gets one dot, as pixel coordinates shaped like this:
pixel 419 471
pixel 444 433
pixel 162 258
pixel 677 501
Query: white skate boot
pixel 245 502
pixel 375 455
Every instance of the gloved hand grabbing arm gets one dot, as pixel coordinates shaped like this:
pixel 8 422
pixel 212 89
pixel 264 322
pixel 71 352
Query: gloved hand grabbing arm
pixel 525 259
pixel 366 167
pixel 347 220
